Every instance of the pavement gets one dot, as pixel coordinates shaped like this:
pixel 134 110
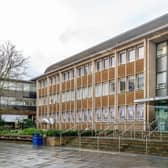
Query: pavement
pixel 14 155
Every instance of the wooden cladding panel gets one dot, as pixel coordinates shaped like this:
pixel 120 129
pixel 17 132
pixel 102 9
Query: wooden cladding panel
pixel 78 82
pixel 84 81
pixel 104 100
pixel 130 68
pixel 121 99
pixel 121 71
pixel 90 103
pixel 89 79
pixel 139 66
pixel 72 84
pixel 104 75
pixel 84 104
pixel 111 100
pixel 67 85
pixel 63 107
pixel 111 73
pixel 63 86
pixel 97 102
pixel 50 90
pixel 130 97
pixel 39 92
pixel 72 106
pixel 68 106
pixel 97 77
pixel 78 104
pixel 139 94
pixel 57 88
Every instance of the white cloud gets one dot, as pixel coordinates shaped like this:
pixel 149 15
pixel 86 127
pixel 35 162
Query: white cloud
pixel 51 30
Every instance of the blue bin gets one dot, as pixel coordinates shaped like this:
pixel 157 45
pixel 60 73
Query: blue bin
pixel 37 140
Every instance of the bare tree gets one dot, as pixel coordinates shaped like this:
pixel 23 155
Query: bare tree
pixel 12 62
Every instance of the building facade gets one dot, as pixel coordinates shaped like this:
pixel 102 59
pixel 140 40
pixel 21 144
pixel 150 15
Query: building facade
pixel 17 100
pixel 118 84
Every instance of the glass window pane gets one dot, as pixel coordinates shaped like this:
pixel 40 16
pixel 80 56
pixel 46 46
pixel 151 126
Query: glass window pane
pixel 131 55
pixel 161 80
pixel 140 111
pixel 161 64
pixel 105 114
pixel 122 113
pixel 112 87
pixel 99 114
pixel 140 53
pixel 112 61
pixel 131 83
pixel 122 58
pixel 122 84
pixel 130 112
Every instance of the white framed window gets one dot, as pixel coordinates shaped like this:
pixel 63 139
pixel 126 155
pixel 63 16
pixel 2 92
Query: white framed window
pixel 131 55
pixel 98 90
pixel 112 61
pixel 105 114
pixel 85 117
pixel 86 69
pixel 112 87
pixel 139 112
pixel 90 90
pixel 122 84
pixel 112 113
pixel 105 88
pixel 122 112
pixel 106 63
pixel 122 58
pixel 140 54
pixel 99 65
pixel 99 114
pixel 131 83
pixel 130 112
pixel 140 81
pixel 90 115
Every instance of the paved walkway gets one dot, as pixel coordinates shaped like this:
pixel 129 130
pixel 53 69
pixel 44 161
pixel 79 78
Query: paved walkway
pixel 14 155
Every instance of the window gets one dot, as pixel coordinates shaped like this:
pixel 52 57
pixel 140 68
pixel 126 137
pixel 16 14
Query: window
pixel 130 112
pixel 161 49
pixel 72 116
pixel 122 113
pixel 140 81
pixel 140 111
pixel 131 83
pixel 85 115
pixel 131 55
pixel 89 91
pixel 140 54
pixel 98 114
pixel 90 115
pixel 99 65
pixel 112 114
pixel 105 89
pixel 112 61
pixel 112 87
pixel 80 71
pixel 86 69
pixel 85 93
pixel 161 64
pixel 98 90
pixel 106 63
pixel 122 58
pixel 161 80
pixel 105 114
pixel 122 84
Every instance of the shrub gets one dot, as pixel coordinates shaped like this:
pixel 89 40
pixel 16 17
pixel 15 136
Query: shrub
pixel 70 133
pixel 53 132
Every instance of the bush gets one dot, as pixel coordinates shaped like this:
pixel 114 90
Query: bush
pixel 52 132
pixel 31 131
pixel 70 133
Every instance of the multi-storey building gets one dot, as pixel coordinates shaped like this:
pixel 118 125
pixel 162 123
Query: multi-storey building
pixel 17 100
pixel 117 84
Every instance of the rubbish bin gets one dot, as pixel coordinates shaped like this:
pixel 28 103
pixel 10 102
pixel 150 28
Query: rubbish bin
pixel 37 140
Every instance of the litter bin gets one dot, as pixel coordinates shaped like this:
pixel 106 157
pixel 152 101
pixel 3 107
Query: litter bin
pixel 37 140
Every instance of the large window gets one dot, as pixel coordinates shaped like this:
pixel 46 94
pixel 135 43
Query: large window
pixel 105 114
pixel 99 114
pixel 90 115
pixel 122 58
pixel 131 55
pixel 98 90
pixel 161 49
pixel 112 61
pixel 130 112
pixel 112 113
pixel 105 88
pixel 122 112
pixel 85 115
pixel 161 80
pixel 99 65
pixel 140 81
pixel 106 63
pixel 112 87
pixel 140 54
pixel 139 112
pixel 121 84
pixel 131 83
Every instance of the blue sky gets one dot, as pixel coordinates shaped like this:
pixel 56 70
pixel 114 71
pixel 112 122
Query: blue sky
pixel 51 30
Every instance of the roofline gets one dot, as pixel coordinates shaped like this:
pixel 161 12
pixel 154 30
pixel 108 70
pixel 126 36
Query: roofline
pixel 18 80
pixel 100 52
